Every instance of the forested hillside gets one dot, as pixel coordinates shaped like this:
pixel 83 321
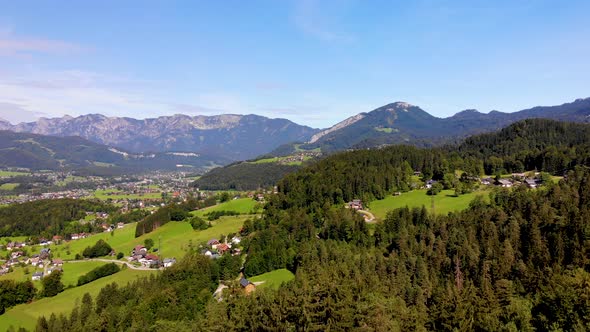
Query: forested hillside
pixel 47 217
pixel 519 261
pixel 544 145
pixel 244 176
pixel 536 143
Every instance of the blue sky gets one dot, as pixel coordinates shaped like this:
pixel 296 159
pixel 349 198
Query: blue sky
pixel 313 62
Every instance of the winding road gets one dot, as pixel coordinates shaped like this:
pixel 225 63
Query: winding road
pixel 129 265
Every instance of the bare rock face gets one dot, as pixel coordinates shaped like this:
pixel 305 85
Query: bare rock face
pixel 236 136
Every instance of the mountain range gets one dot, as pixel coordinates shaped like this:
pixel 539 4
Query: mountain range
pixel 228 136
pixel 222 139
pixel 401 122
pixel 41 152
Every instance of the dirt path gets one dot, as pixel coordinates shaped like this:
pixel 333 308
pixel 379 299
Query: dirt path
pixel 371 217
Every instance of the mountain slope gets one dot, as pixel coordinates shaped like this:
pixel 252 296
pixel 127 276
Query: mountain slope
pixel 51 152
pixel 236 137
pixel 404 123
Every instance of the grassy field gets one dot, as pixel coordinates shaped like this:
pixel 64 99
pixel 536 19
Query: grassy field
pixel 102 194
pixel 9 173
pixel 175 237
pixel 299 149
pixel 72 271
pixel 444 202
pixel 279 159
pixel 25 315
pixel 120 241
pixel 240 205
pixel 273 279
pixel 178 237
pixel 8 186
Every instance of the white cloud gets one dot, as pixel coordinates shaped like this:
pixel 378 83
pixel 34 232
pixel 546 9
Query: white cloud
pixel 16 113
pixel 12 45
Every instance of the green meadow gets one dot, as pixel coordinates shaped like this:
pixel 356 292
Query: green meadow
pixel 176 238
pixel 279 159
pixel 444 202
pixel 8 186
pixel 71 272
pixel 25 315
pixel 273 279
pixel 240 205
pixel 9 173
pixel 102 194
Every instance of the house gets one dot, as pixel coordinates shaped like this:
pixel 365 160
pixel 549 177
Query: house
pixel 505 183
pixel 78 236
pixel 248 286
pixel 15 245
pixel 33 260
pixel 44 242
pixel 487 181
pixel 236 240
pixel 58 262
pixel 168 262
pixel 531 183
pixel 356 204
pixel 236 252
pixel 519 175
pixel 13 262
pixel 138 250
pixel 397 193
pixel 37 276
pixel 53 269
pixel 45 252
pixel 56 238
pixel 429 183
pixel 222 248
pixel 213 243
pixel 120 225
pixel 16 254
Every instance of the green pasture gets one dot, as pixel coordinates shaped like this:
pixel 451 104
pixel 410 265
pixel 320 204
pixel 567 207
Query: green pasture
pixel 240 205
pixel 25 315
pixel 102 194
pixel 444 202
pixel 273 279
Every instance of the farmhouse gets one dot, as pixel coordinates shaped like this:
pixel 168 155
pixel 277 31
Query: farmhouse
pixel 248 286
pixel 213 243
pixel 531 183
pixel 37 276
pixel 138 250
pixel 429 183
pixel 222 248
pixel 168 262
pixel 356 204
pixel 505 183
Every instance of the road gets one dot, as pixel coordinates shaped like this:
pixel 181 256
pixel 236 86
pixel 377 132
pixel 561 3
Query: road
pixel 370 216
pixel 129 265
